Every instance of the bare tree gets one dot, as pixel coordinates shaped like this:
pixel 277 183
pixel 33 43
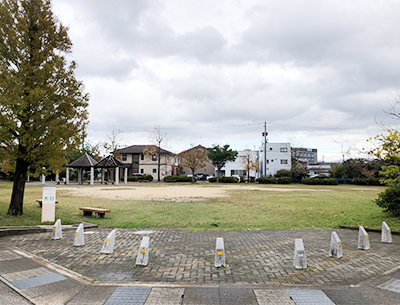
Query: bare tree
pixel 113 143
pixel 158 140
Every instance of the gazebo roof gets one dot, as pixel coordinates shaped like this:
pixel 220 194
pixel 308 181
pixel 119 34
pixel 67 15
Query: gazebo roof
pixel 109 162
pixel 83 161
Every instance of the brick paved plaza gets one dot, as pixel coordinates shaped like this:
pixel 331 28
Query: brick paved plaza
pixel 253 256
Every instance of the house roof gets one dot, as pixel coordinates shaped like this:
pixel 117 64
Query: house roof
pixel 138 149
pixel 195 147
pixel 109 162
pixel 83 161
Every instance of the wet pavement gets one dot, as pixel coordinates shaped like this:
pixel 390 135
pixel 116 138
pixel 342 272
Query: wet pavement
pixel 181 268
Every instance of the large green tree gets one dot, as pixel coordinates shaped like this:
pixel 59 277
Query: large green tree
pixel 43 106
pixel 220 155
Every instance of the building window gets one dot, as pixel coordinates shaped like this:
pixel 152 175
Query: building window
pixel 142 157
pixel 284 161
pixel 283 149
pixel 154 170
pixel 142 171
pixel 123 157
pixel 154 157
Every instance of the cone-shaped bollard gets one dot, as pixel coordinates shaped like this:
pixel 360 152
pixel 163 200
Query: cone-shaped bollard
pixel 108 245
pixel 336 246
pixel 219 253
pixel 57 230
pixel 363 239
pixel 300 261
pixel 386 236
pixel 79 239
pixel 142 258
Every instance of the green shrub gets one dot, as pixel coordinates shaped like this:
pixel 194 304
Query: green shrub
pixel 178 179
pixel 266 180
pixel 329 181
pixel 365 181
pixel 282 173
pixel 389 200
pixel 284 180
pixel 224 179
pixel 311 181
pixel 359 181
pixel 141 177
pixel 318 181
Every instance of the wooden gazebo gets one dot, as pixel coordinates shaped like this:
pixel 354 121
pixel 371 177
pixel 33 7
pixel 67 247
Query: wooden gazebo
pixel 84 161
pixel 110 162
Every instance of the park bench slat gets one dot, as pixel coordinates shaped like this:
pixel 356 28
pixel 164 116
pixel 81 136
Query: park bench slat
pixel 87 211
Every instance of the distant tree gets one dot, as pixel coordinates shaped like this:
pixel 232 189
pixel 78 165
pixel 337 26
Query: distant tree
pixel 43 107
pixel 387 150
pixel 92 150
pixel 248 163
pixel 158 139
pixel 114 143
pixel 194 158
pixel 220 155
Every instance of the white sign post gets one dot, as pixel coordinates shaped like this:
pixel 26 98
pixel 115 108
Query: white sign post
pixel 49 204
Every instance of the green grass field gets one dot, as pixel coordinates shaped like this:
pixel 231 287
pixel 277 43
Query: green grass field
pixel 314 207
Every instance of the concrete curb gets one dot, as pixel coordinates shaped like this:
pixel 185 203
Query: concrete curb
pixel 8 231
pixel 368 229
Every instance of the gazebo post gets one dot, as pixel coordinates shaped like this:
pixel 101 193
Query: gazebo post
pixel 126 175
pixel 117 175
pixel 92 175
pixel 79 175
pixel 67 176
pixel 102 176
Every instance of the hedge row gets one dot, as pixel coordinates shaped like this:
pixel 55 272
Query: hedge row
pixel 142 177
pixel 270 180
pixel 318 181
pixel 224 179
pixel 178 179
pixel 364 181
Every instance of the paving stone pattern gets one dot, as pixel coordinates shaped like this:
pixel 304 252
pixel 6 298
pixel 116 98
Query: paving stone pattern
pixel 252 256
pixel 310 297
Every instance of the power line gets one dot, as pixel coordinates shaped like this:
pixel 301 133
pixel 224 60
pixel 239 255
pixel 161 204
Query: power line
pixel 316 128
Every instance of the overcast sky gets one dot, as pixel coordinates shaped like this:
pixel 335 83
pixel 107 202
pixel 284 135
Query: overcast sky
pixel 211 72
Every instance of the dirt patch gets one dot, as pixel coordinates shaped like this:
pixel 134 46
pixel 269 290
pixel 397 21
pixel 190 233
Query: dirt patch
pixel 169 193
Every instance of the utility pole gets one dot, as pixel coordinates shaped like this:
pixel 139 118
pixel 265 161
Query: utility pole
pixel 265 133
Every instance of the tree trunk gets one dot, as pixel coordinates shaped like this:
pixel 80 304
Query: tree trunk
pixel 192 176
pixel 218 169
pixel 17 197
pixel 159 163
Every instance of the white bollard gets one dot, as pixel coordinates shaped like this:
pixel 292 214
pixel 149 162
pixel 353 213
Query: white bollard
pixel 386 236
pixel 57 230
pixel 336 246
pixel 108 245
pixel 363 239
pixel 79 239
pixel 219 253
pixel 300 261
pixel 143 254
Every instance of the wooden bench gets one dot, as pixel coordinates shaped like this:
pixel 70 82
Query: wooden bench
pixel 99 212
pixel 106 182
pixel 82 182
pixel 61 182
pixel 40 202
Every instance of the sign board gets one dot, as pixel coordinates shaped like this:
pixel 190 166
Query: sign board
pixel 48 204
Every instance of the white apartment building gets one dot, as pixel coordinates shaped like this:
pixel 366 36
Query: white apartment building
pixel 277 155
pixel 237 167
